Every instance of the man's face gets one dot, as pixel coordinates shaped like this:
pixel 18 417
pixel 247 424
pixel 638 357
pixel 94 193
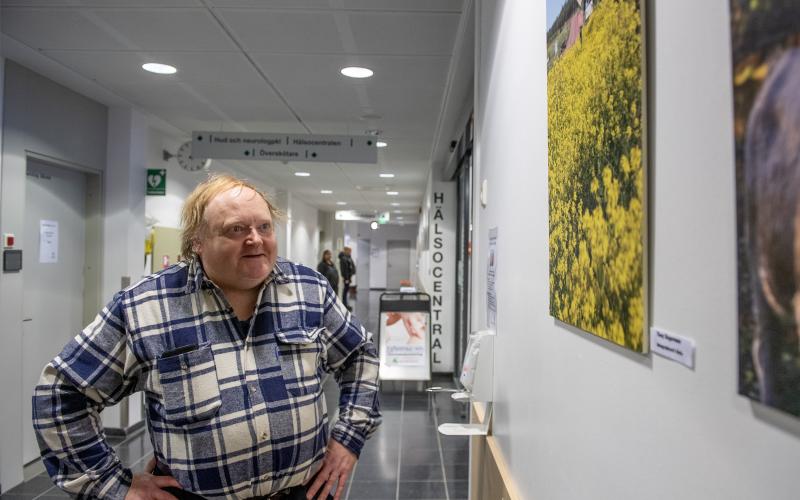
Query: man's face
pixel 237 246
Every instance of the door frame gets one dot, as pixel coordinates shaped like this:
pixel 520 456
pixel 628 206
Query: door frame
pixel 95 216
pixel 93 239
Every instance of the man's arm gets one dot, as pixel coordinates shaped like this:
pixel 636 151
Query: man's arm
pixel 352 357
pixel 96 369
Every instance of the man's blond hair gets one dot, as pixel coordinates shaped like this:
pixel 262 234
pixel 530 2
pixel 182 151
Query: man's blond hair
pixel 193 221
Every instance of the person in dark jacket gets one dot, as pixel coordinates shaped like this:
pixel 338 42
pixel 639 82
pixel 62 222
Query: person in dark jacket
pixel 327 269
pixel 348 268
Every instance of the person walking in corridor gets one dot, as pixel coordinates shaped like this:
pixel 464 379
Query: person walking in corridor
pixel 348 269
pixel 229 348
pixel 327 269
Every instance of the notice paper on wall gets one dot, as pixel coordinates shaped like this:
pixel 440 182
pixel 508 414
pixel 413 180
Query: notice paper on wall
pixel 48 241
pixel 491 276
pixel 672 346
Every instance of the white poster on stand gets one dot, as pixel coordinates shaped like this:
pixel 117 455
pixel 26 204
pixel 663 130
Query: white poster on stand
pixel 48 241
pixel 406 338
pixel 491 275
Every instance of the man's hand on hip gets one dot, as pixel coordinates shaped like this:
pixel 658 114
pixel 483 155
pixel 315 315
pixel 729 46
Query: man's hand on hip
pixel 335 471
pixel 146 486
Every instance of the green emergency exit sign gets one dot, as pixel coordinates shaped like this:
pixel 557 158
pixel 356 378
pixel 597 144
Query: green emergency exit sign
pixel 156 182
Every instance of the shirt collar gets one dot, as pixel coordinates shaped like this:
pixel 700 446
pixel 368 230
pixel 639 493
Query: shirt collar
pixel 199 281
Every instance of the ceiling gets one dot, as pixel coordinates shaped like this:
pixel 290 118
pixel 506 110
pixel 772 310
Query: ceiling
pixel 271 66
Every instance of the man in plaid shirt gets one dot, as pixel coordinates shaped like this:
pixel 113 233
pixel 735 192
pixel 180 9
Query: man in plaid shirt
pixel 230 348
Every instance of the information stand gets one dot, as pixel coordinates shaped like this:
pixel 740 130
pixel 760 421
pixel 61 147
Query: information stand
pixel 404 340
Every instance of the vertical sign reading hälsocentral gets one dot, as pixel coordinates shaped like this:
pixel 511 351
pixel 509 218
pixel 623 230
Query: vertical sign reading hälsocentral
pixel 442 227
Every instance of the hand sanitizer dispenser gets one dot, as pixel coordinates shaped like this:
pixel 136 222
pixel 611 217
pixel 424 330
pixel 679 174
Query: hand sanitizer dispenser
pixel 476 378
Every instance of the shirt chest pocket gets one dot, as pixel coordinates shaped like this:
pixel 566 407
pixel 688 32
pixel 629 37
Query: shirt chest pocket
pixel 299 355
pixel 190 387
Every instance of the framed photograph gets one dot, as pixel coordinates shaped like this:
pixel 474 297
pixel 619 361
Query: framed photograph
pixel 766 95
pixel 597 168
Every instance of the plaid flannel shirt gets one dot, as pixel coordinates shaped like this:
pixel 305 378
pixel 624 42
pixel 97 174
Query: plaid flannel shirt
pixel 231 414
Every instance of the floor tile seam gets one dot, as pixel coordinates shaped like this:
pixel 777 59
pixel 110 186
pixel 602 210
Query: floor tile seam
pixel 439 444
pixel 424 481
pixel 400 440
pixel 45 492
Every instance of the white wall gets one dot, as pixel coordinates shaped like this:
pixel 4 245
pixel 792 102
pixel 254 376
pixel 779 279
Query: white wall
pixel 47 119
pixel 592 420
pixel 304 234
pixel 378 238
pixel 3 371
pixel 166 210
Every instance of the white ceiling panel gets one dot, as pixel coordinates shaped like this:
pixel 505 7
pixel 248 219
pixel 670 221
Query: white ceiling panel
pixel 245 103
pixel 400 72
pixel 272 4
pixel 404 34
pixel 317 92
pixel 56 29
pixel 393 5
pixel 126 67
pixel 405 5
pixel 276 127
pixel 102 3
pixel 284 31
pixel 164 99
pixel 167 29
pixel 299 46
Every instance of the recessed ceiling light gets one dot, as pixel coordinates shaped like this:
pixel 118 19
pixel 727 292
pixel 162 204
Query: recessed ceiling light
pixel 161 69
pixel 326 191
pixel 341 203
pixel 386 176
pixel 302 174
pixel 399 218
pixel 381 144
pixel 357 72
pixel 398 211
pixel 395 204
pixel 373 225
pixel 392 193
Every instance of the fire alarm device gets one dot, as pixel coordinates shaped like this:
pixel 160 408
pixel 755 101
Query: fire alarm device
pixel 8 240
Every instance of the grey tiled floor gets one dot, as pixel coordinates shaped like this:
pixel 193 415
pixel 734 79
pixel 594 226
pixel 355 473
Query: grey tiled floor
pixel 406 458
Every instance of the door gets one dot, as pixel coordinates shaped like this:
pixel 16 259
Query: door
pixel 398 255
pixel 362 263
pixel 53 291
pixel 463 259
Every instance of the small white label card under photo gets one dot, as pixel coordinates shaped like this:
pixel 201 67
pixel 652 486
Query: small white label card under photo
pixel 48 241
pixel 672 346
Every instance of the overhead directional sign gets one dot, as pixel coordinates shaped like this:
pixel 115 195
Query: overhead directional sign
pixel 285 147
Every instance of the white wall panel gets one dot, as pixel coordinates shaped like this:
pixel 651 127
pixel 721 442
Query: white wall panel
pixel 576 416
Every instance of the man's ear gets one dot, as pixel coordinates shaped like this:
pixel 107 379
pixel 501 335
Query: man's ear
pixel 197 247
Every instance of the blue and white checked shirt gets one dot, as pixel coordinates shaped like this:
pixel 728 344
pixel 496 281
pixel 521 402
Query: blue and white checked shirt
pixel 232 414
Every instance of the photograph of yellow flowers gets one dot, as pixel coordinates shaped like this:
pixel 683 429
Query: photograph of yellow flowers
pixel 766 95
pixel 596 168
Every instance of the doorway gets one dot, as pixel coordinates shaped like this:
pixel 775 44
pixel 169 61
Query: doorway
pixel 61 280
pixel 398 255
